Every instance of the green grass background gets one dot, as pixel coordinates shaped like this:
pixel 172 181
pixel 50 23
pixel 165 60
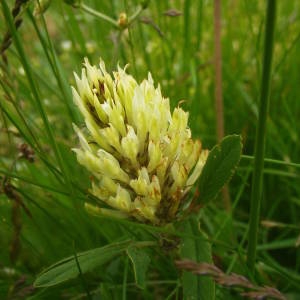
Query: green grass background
pixel 37 109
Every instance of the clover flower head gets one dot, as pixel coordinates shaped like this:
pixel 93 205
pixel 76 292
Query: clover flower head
pixel 142 157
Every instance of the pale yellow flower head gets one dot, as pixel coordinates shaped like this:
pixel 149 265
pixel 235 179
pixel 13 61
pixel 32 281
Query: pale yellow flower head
pixel 142 157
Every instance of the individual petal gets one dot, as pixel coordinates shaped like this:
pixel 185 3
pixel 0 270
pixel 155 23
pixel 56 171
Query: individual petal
pixel 179 122
pixel 100 193
pixel 109 185
pixel 112 137
pixel 161 171
pixel 146 211
pixel 154 193
pixel 142 183
pixel 117 120
pixel 179 174
pixel 93 73
pixel 80 103
pixel 83 142
pixel 125 87
pixel 110 166
pixel 83 86
pixel 89 160
pixel 189 153
pixel 194 155
pixel 100 110
pixel 130 146
pixel 155 155
pixel 198 168
pixel 140 116
pixel 121 201
pixel 97 135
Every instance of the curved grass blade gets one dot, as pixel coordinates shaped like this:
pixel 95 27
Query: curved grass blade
pixel 68 268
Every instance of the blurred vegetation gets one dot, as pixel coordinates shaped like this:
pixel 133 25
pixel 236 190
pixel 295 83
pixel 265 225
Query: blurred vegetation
pixel 43 189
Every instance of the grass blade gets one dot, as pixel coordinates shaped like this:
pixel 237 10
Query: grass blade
pixel 34 88
pixel 261 133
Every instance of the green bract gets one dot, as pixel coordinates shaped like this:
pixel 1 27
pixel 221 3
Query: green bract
pixel 142 157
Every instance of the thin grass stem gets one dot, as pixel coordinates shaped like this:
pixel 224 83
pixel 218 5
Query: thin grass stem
pixel 218 88
pixel 35 91
pixel 82 280
pixel 274 161
pixel 259 152
pixel 218 71
pixel 124 286
pixel 53 63
pixel 98 14
pixel 186 36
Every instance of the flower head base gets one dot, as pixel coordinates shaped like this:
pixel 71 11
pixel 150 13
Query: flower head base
pixel 142 156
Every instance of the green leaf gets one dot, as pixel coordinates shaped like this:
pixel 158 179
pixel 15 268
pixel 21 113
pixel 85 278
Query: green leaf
pixel 67 268
pixel 140 262
pixel 197 249
pixel 219 167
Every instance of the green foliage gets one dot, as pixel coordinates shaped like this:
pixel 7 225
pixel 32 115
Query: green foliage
pixel 140 263
pixel 42 200
pixel 67 268
pixel 219 167
pixel 196 247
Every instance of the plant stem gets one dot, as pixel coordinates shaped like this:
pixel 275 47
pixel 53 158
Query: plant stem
pixel 218 88
pixel 135 15
pixel 124 288
pixel 34 89
pixel 98 14
pixel 218 70
pixel 102 16
pixel 260 134
pixel 67 96
pixel 273 161
pixel 186 36
pixel 83 282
